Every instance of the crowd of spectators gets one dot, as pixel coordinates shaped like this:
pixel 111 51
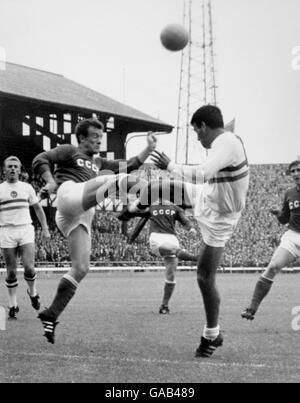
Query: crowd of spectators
pixel 252 244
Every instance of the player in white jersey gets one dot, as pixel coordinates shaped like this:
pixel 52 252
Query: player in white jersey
pixel 17 232
pixel 216 190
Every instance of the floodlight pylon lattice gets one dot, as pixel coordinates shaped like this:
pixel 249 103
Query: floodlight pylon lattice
pixel 197 78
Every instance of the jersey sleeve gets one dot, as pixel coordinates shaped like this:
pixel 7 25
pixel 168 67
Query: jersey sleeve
pixel 284 215
pixel 182 218
pixel 118 166
pixel 46 160
pixel 222 155
pixel 33 199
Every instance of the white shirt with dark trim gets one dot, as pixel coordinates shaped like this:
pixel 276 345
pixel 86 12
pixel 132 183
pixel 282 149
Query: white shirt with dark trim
pixel 15 199
pixel 225 174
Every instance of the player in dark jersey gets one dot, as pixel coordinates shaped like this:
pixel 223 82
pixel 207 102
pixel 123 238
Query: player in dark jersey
pixel 79 189
pixel 164 243
pixel 289 248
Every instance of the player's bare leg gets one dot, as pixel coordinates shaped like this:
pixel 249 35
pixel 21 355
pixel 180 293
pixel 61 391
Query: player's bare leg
pixel 104 186
pixel 208 263
pixel 180 253
pixel 10 257
pixel 80 249
pixel 280 259
pixel 27 256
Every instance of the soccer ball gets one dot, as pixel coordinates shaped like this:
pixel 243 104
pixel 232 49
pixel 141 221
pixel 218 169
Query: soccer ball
pixel 174 37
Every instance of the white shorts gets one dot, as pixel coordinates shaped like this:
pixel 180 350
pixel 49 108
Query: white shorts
pixel 70 213
pixel 291 242
pixel 14 236
pixel 216 228
pixel 158 240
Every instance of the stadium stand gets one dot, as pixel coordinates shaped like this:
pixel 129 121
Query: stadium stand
pixel 252 245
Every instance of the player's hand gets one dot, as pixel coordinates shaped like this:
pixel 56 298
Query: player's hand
pixel 161 160
pixel 47 190
pixel 45 235
pixel 274 210
pixel 151 141
pixel 193 232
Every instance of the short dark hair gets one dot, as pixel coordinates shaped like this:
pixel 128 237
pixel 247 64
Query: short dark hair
pixel 209 114
pixel 82 127
pixel 292 164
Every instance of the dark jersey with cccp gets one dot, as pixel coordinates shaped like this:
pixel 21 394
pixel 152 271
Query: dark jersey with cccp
pixel 163 218
pixel 69 163
pixel 290 212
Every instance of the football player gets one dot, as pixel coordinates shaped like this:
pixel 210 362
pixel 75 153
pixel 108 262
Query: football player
pixel 217 191
pixel 80 187
pixel 164 242
pixel 289 248
pixel 17 232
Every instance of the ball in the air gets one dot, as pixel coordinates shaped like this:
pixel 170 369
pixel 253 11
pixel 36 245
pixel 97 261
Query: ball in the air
pixel 174 37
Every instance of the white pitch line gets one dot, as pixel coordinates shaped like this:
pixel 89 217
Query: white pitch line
pixel 199 362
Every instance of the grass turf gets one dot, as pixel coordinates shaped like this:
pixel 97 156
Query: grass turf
pixel 112 332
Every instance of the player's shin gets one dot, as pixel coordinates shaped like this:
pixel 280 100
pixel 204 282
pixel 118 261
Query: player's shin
pixel 12 292
pixel 262 288
pixel 65 292
pixel 168 291
pixel 30 279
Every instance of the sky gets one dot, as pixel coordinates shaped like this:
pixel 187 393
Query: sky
pixel 113 47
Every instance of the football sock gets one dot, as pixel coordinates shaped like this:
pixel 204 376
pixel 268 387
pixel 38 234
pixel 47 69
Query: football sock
pixel 65 292
pixel 183 254
pixel 31 281
pixel 12 292
pixel 168 291
pixel 262 288
pixel 211 333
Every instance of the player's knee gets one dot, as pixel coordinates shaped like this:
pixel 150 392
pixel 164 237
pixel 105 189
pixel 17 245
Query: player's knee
pixel 205 278
pixel 274 267
pixel 170 277
pixel 29 275
pixel 167 251
pixel 80 270
pixel 29 270
pixel 11 277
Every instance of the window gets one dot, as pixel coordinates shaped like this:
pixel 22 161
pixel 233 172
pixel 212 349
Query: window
pixel 25 129
pixel 53 124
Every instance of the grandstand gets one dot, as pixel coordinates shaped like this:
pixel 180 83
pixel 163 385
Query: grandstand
pixel 252 245
pixel 40 109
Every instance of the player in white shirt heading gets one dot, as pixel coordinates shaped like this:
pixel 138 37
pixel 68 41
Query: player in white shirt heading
pixel 216 190
pixel 17 232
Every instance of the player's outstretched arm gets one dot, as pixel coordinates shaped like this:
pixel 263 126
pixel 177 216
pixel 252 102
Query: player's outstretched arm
pixel 132 164
pixel 218 159
pixel 151 146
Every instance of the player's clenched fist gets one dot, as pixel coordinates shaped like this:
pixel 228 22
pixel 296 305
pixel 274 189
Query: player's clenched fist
pixel 152 141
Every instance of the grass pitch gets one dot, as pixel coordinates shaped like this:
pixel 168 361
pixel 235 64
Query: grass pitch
pixel 112 332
